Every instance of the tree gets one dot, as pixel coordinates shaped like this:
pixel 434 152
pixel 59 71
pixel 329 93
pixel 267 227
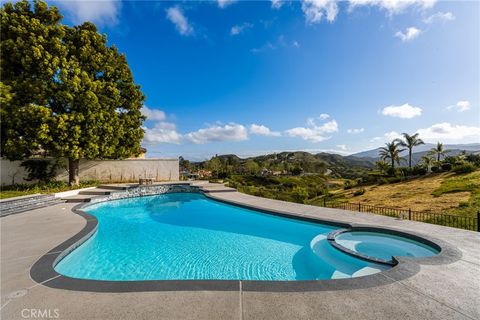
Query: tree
pixel 391 151
pixel 427 161
pixel 382 166
pixel 439 151
pixel 31 53
pixel 251 166
pixel 214 165
pixel 410 141
pixel 86 104
pixel 299 194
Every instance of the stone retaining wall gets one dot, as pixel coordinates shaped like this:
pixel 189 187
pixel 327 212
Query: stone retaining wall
pixel 147 191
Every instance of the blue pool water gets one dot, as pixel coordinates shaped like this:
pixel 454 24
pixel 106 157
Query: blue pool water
pixel 188 236
pixel 383 246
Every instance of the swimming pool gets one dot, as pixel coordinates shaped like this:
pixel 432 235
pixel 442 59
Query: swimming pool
pixel 187 236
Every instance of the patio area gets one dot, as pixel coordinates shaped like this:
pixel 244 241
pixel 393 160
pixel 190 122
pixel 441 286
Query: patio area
pixel 436 291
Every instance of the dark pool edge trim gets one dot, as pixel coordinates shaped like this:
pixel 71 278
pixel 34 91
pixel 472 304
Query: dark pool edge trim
pixel 43 271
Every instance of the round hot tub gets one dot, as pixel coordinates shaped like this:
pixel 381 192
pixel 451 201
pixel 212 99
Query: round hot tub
pixel 382 246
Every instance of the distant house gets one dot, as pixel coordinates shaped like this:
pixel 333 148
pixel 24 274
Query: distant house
pixel 203 173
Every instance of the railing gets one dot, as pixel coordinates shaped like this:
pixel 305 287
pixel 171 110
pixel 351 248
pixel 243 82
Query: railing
pixel 461 222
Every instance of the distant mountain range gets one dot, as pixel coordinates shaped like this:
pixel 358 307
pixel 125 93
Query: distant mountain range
pixel 419 151
pixel 343 166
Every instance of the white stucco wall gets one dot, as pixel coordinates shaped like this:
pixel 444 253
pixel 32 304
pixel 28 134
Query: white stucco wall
pixel 103 170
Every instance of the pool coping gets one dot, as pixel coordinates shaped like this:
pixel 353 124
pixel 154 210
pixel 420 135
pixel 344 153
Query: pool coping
pixel 43 271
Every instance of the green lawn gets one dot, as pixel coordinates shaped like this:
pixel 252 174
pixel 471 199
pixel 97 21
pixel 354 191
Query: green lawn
pixel 469 182
pixel 46 188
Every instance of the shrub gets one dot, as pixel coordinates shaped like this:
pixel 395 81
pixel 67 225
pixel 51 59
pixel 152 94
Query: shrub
pixel 419 171
pixel 464 168
pixel 463 204
pixel 474 159
pixel 391 171
pixel 383 181
pixel 359 192
pixel 435 169
pixel 299 194
pixel 43 170
pixel 349 184
pixel 394 179
pixel 446 166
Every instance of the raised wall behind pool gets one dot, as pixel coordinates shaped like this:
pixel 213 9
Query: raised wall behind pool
pixel 127 170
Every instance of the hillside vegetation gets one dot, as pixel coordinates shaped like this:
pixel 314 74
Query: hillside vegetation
pixel 444 193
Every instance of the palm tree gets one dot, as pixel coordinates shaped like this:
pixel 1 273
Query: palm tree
pixel 391 151
pixel 439 151
pixel 382 166
pixel 427 161
pixel 410 141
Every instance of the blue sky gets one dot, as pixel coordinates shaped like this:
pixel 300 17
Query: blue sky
pixel 257 77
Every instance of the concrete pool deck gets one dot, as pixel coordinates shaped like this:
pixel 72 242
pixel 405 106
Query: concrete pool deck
pixel 445 291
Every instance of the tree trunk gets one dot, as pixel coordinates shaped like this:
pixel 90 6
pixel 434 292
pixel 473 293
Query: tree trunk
pixel 438 157
pixel 73 172
pixel 393 163
pixel 409 158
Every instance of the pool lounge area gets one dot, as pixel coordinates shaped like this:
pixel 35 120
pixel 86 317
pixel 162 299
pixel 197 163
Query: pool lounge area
pixel 44 267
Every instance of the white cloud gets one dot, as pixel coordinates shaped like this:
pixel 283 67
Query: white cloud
pixel 439 16
pixel 387 137
pixel 355 130
pixel 280 42
pixel 314 132
pixel 238 29
pixel 176 16
pixel 404 111
pixel 229 132
pixel 103 12
pixel 461 106
pixel 409 34
pixel 225 3
pixel 323 116
pixel 451 133
pixel 153 114
pixel 316 10
pixel 261 130
pixel 162 132
pixel 393 6
pixel 342 147
pixel 277 4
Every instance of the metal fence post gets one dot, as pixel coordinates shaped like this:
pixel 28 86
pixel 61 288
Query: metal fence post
pixel 478 220
pixel 409 214
pixel 324 201
pixel 359 207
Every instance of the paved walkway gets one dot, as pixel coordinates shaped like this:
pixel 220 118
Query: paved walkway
pixel 449 291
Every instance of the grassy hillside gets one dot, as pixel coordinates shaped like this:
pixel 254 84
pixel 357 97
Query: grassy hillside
pixel 444 193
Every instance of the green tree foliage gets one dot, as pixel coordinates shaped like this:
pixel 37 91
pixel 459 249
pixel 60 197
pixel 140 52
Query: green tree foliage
pixel 410 141
pixel 214 165
pixel 66 91
pixel 427 161
pixel 252 167
pixel 439 151
pixel 391 152
pixel 299 194
pixel 382 166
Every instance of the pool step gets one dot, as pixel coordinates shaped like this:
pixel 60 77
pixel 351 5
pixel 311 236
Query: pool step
pixel 79 198
pixel 216 188
pixel 27 203
pixel 98 192
pixel 118 187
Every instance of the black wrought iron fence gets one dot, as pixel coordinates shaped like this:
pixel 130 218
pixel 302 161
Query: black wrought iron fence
pixel 461 222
